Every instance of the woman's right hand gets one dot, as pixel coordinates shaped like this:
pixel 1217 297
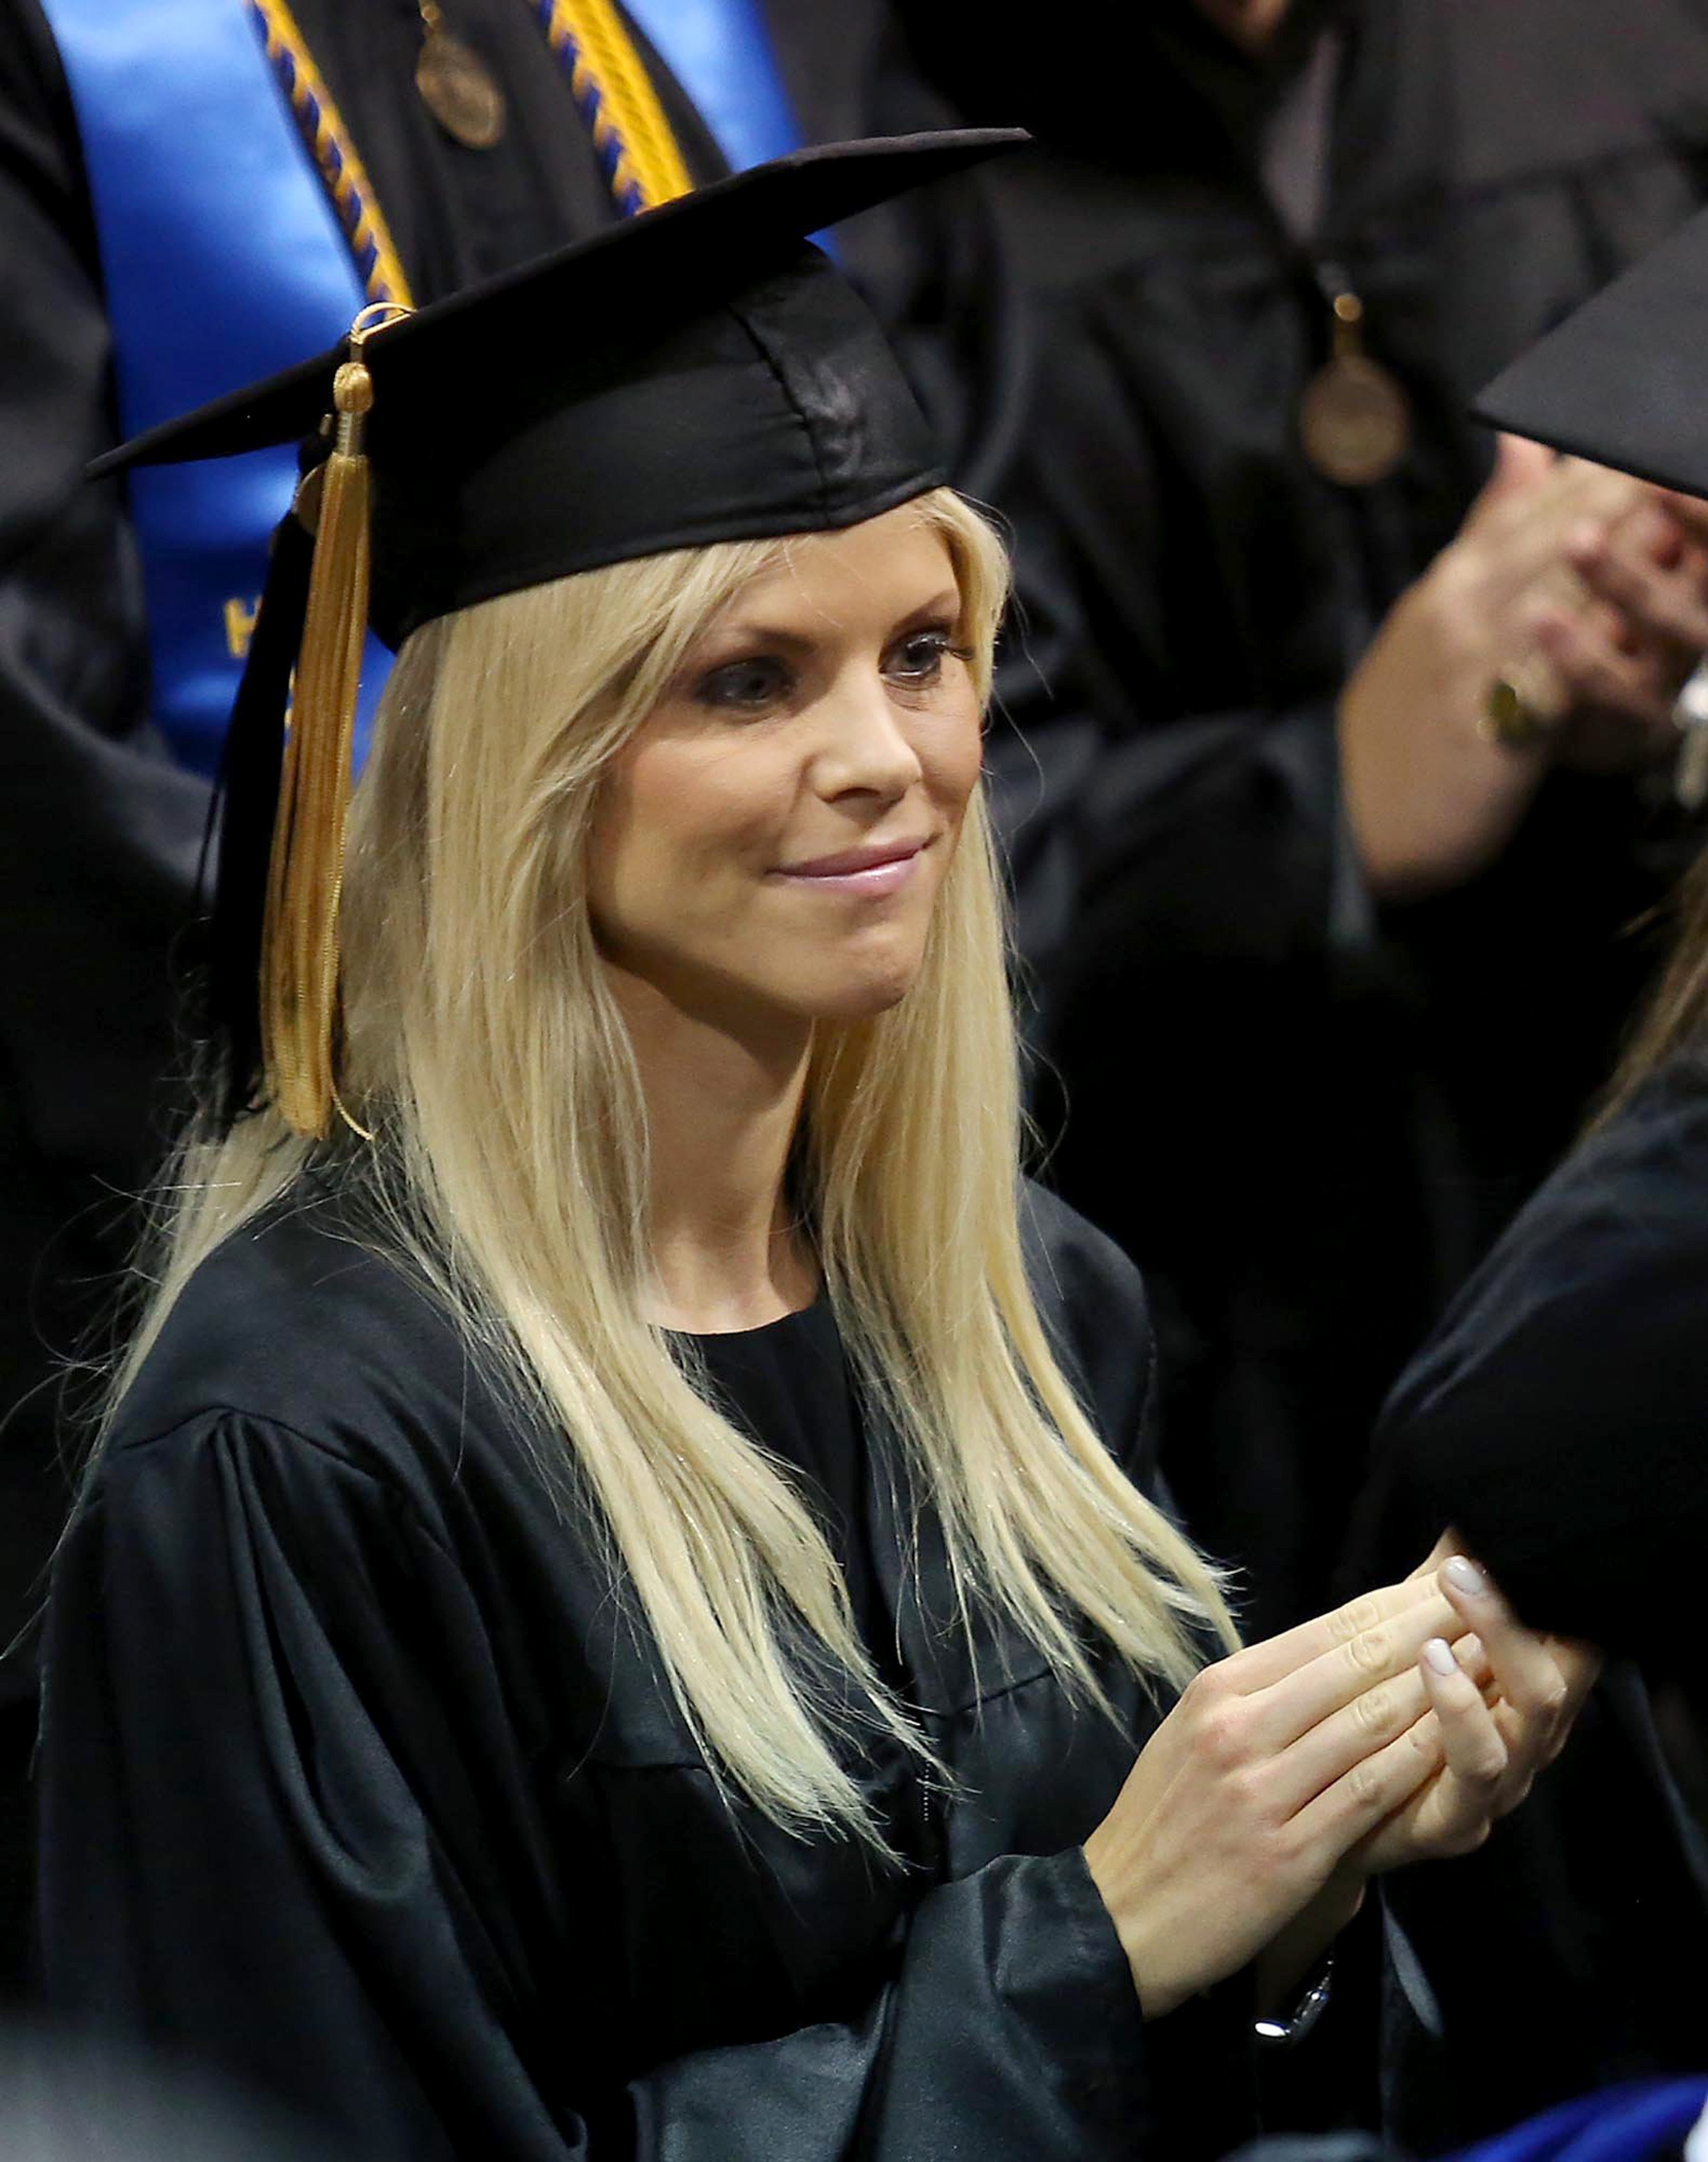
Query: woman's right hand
pixel 1270 1770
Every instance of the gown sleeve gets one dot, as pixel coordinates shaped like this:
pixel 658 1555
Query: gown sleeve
pixel 283 1831
pixel 1555 1418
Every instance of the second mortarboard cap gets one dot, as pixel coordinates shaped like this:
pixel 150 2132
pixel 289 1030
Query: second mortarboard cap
pixel 698 373
pixel 1621 380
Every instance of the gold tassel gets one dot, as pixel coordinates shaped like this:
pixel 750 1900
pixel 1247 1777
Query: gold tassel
pixel 299 944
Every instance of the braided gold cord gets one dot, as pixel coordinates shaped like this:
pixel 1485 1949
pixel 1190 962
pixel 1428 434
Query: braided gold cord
pixel 641 157
pixel 335 154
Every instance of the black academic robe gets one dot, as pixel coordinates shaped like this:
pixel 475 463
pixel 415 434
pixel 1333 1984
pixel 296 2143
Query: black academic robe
pixel 1557 1416
pixel 361 1784
pixel 1556 1420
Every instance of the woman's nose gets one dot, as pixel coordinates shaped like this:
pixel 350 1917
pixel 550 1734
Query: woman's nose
pixel 867 747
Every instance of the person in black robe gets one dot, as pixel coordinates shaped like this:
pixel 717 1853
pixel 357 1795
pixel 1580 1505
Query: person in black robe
pixel 1554 1413
pixel 1305 1097
pixel 698 1772
pixel 1553 1418
pixel 98 875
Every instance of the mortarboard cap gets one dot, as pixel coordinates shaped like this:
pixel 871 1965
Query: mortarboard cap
pixel 1619 380
pixel 699 373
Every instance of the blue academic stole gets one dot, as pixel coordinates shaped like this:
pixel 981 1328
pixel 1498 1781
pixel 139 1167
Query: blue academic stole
pixel 223 262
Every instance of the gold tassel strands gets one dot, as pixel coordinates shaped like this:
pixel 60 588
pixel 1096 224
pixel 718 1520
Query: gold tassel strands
pixel 299 944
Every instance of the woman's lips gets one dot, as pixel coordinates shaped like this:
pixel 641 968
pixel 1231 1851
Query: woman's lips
pixel 871 870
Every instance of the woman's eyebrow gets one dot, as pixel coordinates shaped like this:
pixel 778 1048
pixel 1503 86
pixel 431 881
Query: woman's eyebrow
pixel 752 630
pixel 947 602
pixel 755 630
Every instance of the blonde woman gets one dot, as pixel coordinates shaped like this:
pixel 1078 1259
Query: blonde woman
pixel 618 1611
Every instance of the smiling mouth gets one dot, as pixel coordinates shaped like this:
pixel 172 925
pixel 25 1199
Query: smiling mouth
pixel 874 870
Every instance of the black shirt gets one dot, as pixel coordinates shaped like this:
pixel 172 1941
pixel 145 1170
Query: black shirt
pixel 788 1385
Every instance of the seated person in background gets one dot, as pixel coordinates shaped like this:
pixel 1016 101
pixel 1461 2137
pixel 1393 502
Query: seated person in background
pixel 620 1610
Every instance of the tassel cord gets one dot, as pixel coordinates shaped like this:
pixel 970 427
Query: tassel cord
pixel 300 954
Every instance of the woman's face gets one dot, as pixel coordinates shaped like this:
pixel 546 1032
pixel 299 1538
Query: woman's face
pixel 774 834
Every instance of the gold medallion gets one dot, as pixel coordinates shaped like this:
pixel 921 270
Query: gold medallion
pixel 1355 420
pixel 457 86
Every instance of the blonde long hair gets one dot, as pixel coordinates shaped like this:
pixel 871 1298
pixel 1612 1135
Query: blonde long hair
pixel 484 1048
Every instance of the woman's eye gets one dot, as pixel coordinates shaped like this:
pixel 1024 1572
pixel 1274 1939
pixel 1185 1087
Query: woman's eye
pixel 744 686
pixel 917 661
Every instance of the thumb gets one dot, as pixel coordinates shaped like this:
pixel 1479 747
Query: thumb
pixel 1520 468
pixel 1529 505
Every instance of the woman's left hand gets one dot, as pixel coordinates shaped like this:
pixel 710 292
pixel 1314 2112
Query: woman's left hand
pixel 1510 1696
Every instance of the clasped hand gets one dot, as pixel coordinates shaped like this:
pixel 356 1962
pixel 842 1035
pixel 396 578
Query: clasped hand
pixel 1586 588
pixel 1395 1729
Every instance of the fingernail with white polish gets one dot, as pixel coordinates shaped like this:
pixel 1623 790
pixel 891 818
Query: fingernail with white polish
pixel 1439 1654
pixel 1466 1577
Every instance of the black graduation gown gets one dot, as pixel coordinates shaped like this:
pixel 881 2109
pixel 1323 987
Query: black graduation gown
pixel 359 1784
pixel 1556 1421
pixel 1557 1416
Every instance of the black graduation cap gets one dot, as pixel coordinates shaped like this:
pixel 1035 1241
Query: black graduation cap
pixel 1621 380
pixel 699 373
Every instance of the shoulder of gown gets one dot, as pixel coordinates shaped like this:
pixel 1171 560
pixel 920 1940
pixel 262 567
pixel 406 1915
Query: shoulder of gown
pixel 295 1324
